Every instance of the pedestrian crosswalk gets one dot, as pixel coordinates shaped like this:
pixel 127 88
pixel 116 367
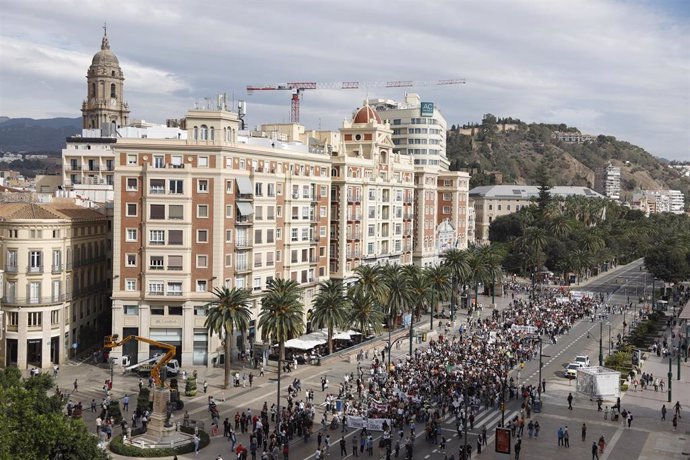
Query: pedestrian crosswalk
pixel 484 418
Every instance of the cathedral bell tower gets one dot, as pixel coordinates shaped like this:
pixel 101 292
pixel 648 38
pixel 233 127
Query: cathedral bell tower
pixel 104 107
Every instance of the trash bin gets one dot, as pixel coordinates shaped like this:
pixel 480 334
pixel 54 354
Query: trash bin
pixel 536 406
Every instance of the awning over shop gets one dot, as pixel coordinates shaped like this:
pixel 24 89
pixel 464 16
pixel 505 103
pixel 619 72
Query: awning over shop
pixel 245 209
pixel 244 185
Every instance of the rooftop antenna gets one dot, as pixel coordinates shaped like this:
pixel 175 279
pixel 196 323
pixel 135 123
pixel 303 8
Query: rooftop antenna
pixel 105 28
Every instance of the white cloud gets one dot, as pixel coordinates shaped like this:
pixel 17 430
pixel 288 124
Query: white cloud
pixel 608 66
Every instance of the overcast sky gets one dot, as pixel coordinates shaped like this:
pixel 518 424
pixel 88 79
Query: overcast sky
pixel 615 67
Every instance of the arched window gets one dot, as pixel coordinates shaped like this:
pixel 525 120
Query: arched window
pixel 213 136
pixel 204 132
pixel 112 90
pixel 196 133
pixel 93 90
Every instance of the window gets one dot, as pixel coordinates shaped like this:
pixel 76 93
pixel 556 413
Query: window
pixel 130 284
pixel 228 236
pixel 259 189
pixel 131 260
pixel 175 212
pixel 269 259
pixel 257 284
pixel 201 285
pixel 157 237
pixel 11 262
pixel 35 319
pixel 132 184
pixel 270 212
pixel 132 159
pixel 279 233
pixel 57 290
pixel 271 189
pixel 202 186
pixel 228 187
pixel 446 210
pixel 155 287
pixel 228 211
pixel 34 292
pixel 175 288
pixel 12 318
pixel 158 311
pixel 259 213
pixel 131 310
pixel 157 211
pixel 202 162
pixel 294 234
pixel 258 260
pixel 202 236
pixel 36 234
pixel 269 236
pixel 131 234
pixel 176 161
pixel 201 261
pixel 176 186
pixel 156 263
pixel 202 210
pixel 159 161
pixel 131 210
pixel 175 310
pixel 199 311
pixel 257 237
pixel 175 237
pixel 157 186
pixel 175 263
pixel 35 261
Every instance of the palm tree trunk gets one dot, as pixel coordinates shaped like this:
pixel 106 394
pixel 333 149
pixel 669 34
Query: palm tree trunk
pixel 280 362
pixel 431 310
pixel 228 356
pixel 330 340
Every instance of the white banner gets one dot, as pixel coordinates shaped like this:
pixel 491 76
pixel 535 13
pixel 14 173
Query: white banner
pixel 371 424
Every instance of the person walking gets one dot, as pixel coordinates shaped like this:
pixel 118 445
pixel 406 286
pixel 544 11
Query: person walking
pixel 584 432
pixel 677 407
pixel 566 437
pixel 518 447
pixel 543 385
pixel 560 436
pixel 76 387
pixel 205 386
pixel 595 451
pixel 663 412
pixel 606 413
pixel 630 418
pixel 343 447
pixel 125 403
pixel 675 422
pixel 537 427
pixel 570 401
pixel 355 446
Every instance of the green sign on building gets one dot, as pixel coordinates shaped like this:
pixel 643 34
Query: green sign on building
pixel 427 109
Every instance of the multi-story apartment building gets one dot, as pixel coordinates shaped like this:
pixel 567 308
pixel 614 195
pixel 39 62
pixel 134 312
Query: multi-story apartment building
pixel 219 208
pixel 493 201
pixel 419 128
pixel 657 201
pixel 372 191
pixel 607 181
pixel 56 259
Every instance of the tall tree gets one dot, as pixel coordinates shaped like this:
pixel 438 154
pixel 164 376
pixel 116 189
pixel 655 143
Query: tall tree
pixel 364 313
pixel 439 279
pixel 226 313
pixel 370 282
pixel 457 263
pixel 281 319
pixel 330 308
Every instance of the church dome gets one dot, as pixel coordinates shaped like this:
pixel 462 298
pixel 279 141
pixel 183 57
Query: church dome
pixel 365 115
pixel 105 57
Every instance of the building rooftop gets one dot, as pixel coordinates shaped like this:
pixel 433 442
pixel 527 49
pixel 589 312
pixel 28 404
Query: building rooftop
pixel 527 192
pixel 59 210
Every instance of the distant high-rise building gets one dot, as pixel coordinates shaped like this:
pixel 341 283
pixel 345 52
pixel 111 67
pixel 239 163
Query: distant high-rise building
pixel 658 201
pixel 607 181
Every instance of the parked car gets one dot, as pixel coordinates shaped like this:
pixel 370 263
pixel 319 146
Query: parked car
pixel 582 359
pixel 570 371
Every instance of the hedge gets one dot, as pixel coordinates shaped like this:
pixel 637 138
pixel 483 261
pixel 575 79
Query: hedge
pixel 117 446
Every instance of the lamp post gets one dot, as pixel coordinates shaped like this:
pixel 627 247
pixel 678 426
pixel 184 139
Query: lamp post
pixel 431 310
pixel 601 343
pixel 654 295
pixel 540 366
pixel 670 376
pixel 609 325
pixel 112 368
pixel 411 330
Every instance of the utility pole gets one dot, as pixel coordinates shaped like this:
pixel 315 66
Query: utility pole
pixel 411 331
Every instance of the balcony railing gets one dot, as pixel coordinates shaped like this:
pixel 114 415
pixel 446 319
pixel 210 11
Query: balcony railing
pixel 73 167
pixel 155 292
pixel 175 268
pixel 56 268
pixel 157 190
pixel 244 221
pixel 34 269
pixel 175 293
pixel 243 242
pixel 10 268
pixel 38 300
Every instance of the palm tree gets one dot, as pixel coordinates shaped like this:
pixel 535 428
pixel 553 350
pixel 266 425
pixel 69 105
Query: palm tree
pixel 365 313
pixel 398 297
pixel 440 282
pixel 559 226
pixel 227 312
pixel 281 318
pixel 456 261
pixel 478 263
pixel 419 287
pixel 330 308
pixel 370 282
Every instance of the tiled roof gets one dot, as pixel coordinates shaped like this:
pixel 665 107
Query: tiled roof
pixel 26 211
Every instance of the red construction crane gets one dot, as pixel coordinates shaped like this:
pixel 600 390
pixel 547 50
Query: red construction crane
pixel 299 86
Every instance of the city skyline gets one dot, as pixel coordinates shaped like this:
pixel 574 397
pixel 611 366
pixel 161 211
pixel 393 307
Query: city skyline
pixel 592 66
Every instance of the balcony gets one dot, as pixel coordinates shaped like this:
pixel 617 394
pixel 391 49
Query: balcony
pixel 314 239
pixel 354 235
pixel 156 293
pixel 354 217
pixel 9 300
pixel 175 268
pixel 10 269
pixel 175 293
pixel 244 197
pixel 94 168
pixel 31 269
pixel 157 190
pixel 244 220
pixel 56 268
pixel 158 267
pixel 73 168
pixel 243 243
pixel 354 198
pixel 242 268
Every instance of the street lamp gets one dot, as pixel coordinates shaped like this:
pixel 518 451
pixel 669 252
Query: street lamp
pixel 609 325
pixel 601 343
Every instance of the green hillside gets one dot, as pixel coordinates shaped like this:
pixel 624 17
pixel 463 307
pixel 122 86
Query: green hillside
pixel 514 149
